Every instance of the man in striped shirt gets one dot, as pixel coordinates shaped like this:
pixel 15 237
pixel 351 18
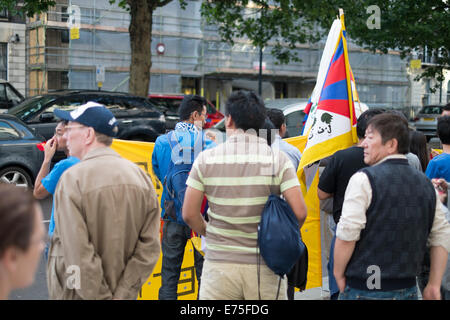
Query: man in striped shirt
pixel 237 177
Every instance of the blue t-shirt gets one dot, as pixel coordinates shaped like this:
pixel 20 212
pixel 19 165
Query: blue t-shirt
pixel 162 152
pixel 51 180
pixel 439 167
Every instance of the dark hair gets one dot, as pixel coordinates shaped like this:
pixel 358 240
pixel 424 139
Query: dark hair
pixel 268 126
pixel 443 129
pixel 361 124
pixel 246 109
pixel 190 104
pixel 446 107
pixel 418 146
pixel 392 126
pixel 16 217
pixel 277 117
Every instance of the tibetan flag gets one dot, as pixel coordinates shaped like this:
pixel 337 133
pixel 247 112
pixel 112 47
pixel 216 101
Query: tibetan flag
pixel 332 125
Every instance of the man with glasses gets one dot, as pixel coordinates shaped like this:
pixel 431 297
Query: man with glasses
pixel 106 239
pixel 47 180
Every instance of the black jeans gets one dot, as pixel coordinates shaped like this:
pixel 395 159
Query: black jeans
pixel 175 237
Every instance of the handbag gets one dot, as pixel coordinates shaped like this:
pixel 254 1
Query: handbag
pixel 297 277
pixel 279 238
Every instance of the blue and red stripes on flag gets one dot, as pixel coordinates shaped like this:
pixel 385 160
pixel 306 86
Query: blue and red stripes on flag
pixel 334 95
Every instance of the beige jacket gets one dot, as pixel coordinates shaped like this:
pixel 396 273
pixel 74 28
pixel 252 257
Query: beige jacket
pixel 106 239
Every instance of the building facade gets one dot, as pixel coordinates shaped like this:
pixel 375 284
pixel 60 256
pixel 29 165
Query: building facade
pixel 189 57
pixel 12 50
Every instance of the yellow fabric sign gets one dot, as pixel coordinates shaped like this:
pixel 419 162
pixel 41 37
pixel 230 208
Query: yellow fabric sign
pixel 311 228
pixel 141 154
pixel 74 33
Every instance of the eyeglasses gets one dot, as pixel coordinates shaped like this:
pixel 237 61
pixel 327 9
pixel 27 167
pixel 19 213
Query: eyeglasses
pixel 69 128
pixel 59 133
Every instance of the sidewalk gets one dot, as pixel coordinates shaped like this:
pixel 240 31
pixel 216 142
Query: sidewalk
pixel 320 293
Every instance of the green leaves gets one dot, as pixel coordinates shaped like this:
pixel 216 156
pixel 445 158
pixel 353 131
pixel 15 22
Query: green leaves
pixel 278 23
pixel 29 8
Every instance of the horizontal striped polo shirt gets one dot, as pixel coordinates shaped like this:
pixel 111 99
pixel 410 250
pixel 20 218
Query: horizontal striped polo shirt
pixel 236 177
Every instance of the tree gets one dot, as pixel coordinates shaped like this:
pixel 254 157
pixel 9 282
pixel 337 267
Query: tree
pixel 140 30
pixel 415 28
pixel 283 22
pixel 30 8
pixel 412 27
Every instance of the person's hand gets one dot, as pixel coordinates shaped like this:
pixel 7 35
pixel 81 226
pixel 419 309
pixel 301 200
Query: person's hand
pixel 434 153
pixel 340 281
pixel 211 136
pixel 442 187
pixel 49 149
pixel 431 293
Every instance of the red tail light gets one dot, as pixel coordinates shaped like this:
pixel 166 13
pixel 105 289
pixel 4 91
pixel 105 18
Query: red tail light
pixel 41 145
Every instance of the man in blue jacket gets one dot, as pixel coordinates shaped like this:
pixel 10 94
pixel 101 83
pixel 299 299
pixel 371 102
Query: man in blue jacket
pixel 175 232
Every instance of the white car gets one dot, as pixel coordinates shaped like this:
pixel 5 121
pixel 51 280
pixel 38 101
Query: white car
pixel 293 110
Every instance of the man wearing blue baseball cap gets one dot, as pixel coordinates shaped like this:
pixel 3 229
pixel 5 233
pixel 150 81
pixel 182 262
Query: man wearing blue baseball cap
pixel 106 239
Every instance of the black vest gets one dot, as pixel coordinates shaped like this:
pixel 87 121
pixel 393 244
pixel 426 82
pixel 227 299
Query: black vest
pixel 399 221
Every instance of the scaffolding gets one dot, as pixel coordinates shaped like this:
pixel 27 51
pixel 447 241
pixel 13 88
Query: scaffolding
pixel 195 59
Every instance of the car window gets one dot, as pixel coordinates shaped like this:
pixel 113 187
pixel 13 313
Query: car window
pixel 210 109
pixel 66 103
pixel 431 110
pixel 2 93
pixel 7 132
pixel 171 105
pixel 28 108
pixel 12 96
pixel 127 107
pixel 294 123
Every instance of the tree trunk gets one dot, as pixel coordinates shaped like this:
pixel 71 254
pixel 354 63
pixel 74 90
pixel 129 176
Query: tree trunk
pixel 140 41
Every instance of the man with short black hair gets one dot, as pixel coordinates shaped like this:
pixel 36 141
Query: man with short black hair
pixel 439 166
pixel 334 180
pixel 189 138
pixel 237 177
pixel 391 212
pixel 279 121
pixel 106 239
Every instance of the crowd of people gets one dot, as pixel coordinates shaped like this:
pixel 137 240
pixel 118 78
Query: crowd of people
pixel 389 208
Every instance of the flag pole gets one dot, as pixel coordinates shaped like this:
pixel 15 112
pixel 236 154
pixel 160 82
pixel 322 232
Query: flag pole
pixel 347 72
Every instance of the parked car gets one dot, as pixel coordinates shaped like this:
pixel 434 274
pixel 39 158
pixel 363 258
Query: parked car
pixel 138 118
pixel 169 104
pixel 9 96
pixel 426 120
pixel 20 157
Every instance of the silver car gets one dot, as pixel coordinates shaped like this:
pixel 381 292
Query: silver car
pixel 426 120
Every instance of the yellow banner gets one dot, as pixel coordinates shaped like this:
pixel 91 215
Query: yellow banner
pixel 141 154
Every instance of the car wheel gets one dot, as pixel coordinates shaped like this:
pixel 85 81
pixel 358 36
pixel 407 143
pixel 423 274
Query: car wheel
pixel 17 176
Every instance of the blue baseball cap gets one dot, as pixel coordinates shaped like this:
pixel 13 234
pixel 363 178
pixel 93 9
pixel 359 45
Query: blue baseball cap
pixel 91 114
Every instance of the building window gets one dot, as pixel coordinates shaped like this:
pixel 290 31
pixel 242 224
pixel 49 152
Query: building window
pixel 448 92
pixel 4 61
pixel 280 90
pixel 3 14
pixel 427 95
